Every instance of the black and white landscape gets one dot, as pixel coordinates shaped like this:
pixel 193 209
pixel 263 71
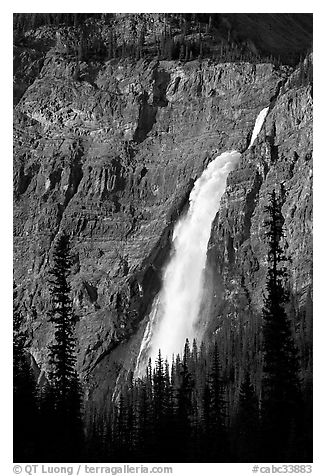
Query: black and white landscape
pixel 163 237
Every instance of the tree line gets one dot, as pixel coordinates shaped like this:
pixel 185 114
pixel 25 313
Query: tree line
pixel 191 410
pixel 47 420
pixel 184 37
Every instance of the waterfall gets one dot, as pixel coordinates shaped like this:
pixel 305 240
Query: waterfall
pixel 175 310
pixel 258 125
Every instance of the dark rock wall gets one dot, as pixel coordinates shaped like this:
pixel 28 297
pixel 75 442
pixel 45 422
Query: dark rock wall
pixel 110 156
pixel 280 159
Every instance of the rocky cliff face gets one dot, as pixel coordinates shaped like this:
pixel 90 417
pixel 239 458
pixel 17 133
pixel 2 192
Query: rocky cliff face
pixel 281 159
pixel 109 152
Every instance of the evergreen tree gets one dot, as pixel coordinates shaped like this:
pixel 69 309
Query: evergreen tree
pixel 158 402
pixel 62 356
pixel 144 419
pixel 120 428
pixel 159 387
pixel 169 443
pixel 217 436
pixel 145 416
pixel 64 384
pixel 130 419
pixel 247 424
pixel 25 403
pixel 51 446
pixel 184 407
pixel 280 386
pixel 124 427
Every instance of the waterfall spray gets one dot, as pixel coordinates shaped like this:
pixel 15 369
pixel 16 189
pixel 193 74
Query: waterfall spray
pixel 175 311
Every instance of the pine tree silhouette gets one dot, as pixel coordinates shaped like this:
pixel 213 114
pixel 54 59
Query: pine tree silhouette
pixel 247 427
pixel 184 406
pixel 64 392
pixel 26 419
pixel 280 385
pixel 217 436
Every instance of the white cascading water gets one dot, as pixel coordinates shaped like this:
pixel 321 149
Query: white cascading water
pixel 258 125
pixel 175 310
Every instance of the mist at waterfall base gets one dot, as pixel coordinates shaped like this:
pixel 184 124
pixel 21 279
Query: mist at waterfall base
pixel 176 309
